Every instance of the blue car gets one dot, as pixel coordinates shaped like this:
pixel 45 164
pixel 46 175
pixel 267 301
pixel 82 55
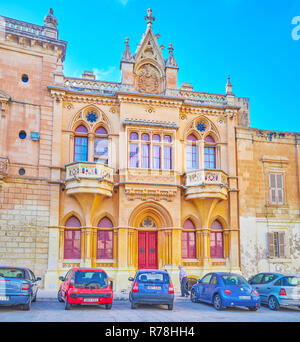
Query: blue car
pixel 151 287
pixel 225 289
pixel 18 286
pixel 277 289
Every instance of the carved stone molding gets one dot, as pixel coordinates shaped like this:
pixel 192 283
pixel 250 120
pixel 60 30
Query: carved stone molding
pixel 145 193
pixel 3 167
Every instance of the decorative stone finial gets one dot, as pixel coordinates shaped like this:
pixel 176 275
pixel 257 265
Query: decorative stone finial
pixel 228 87
pixel 149 17
pixel 50 19
pixel 127 55
pixel 171 61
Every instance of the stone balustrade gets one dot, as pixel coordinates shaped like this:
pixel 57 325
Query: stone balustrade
pixel 206 183
pixel 91 85
pixel 89 177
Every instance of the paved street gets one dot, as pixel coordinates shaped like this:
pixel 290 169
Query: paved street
pixel 50 310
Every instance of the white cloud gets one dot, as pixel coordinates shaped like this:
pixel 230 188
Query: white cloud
pixel 109 74
pixel 123 2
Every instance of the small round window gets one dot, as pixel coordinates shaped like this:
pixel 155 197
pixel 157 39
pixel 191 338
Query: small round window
pixel 25 78
pixel 22 172
pixel 22 135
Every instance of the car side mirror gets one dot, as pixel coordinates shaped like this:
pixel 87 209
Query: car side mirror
pixel 38 278
pixel 199 281
pixel 61 278
pixel 130 279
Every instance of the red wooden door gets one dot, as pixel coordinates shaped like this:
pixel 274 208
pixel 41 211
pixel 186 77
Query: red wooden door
pixel 147 245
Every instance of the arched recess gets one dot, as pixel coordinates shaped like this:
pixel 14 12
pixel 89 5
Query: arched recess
pixel 99 217
pixel 91 116
pixel 151 209
pixel 219 218
pixel 69 215
pixel 200 126
pixel 150 245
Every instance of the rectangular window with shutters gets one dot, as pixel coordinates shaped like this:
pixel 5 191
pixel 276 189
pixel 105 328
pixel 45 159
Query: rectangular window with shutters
pixel 276 245
pixel 276 188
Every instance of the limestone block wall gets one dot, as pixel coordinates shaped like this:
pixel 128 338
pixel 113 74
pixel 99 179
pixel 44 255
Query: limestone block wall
pixel 24 221
pixel 261 152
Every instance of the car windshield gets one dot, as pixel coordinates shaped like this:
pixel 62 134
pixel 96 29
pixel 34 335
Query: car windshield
pixel 91 279
pixel 153 277
pixel 230 279
pixel 12 273
pixel 291 281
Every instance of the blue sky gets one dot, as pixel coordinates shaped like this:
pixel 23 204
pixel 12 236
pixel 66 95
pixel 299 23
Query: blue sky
pixel 251 40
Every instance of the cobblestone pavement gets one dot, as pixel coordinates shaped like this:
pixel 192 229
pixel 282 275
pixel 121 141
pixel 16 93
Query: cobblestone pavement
pixel 48 309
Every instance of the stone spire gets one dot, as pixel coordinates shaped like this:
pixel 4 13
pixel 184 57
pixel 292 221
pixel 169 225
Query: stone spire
pixel 127 55
pixel 171 61
pixel 149 17
pixel 50 20
pixel 229 87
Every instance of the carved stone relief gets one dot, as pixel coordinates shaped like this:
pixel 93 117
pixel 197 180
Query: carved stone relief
pixel 148 79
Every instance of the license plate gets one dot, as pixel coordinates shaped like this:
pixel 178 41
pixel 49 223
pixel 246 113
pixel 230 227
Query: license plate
pixel 244 297
pixel 90 300
pixel 154 287
pixel 4 298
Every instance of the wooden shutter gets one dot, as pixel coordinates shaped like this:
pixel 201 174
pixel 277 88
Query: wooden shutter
pixel 281 244
pixel 276 188
pixel 279 186
pixel 271 245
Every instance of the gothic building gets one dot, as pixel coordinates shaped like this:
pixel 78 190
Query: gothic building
pixel 142 173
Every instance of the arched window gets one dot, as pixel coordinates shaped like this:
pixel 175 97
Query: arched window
pixel 188 240
pixel 134 150
pixel 156 151
pixel 192 153
pixel 209 153
pixel 72 239
pixel 81 144
pixel 145 151
pixel 101 146
pixel 167 152
pixel 216 240
pixel 105 239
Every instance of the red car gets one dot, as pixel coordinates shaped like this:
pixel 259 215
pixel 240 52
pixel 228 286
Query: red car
pixel 85 286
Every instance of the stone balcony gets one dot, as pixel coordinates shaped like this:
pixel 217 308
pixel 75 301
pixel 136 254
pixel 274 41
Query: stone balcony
pixel 89 178
pixel 206 184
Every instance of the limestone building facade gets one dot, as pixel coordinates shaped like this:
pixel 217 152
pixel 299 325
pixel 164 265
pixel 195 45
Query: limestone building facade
pixel 135 174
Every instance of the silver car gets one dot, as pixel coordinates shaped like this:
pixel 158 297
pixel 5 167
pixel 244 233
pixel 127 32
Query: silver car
pixel 277 289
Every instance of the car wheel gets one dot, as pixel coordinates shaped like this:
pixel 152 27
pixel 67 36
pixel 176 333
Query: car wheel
pixel 59 297
pixel 133 305
pixel 27 307
pixel 108 306
pixel 67 304
pixel 170 306
pixel 194 296
pixel 273 303
pixel 253 308
pixel 217 302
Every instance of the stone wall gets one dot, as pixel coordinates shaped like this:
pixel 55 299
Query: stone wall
pixel 24 220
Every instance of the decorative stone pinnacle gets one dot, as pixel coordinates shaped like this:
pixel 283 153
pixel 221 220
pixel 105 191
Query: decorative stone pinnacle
pixel 170 48
pixel 127 55
pixel 50 20
pixel 171 61
pixel 229 87
pixel 149 17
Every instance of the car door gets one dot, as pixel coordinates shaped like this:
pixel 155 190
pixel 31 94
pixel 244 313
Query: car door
pixel 256 282
pixel 266 286
pixel 204 287
pixel 211 288
pixel 65 284
pixel 33 283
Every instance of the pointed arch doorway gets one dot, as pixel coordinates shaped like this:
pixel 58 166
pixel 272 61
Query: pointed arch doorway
pixel 147 244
